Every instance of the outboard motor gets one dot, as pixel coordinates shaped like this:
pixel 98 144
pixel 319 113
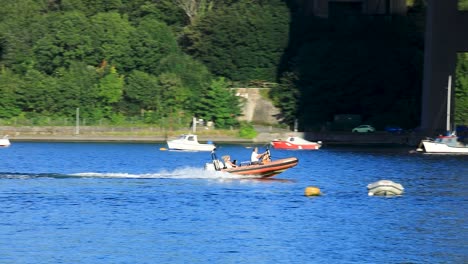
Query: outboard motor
pixel 215 165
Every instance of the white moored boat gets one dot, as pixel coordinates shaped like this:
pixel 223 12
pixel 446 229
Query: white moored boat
pixel 443 145
pixel 295 143
pixel 448 144
pixel 5 141
pixel 189 142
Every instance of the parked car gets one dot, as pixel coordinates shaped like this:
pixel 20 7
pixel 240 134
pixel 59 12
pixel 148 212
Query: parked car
pixel 363 129
pixel 393 129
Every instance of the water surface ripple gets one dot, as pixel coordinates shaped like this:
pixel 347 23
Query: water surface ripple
pixel 133 203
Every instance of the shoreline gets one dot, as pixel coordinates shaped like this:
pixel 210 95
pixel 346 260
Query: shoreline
pixel 265 135
pixel 124 139
pixel 262 139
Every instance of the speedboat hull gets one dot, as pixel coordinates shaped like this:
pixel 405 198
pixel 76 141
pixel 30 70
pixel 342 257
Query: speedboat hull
pixel 264 170
pixel 261 170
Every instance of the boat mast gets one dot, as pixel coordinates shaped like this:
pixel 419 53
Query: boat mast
pixel 448 102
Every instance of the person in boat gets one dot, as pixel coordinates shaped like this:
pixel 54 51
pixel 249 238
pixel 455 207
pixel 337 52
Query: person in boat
pixel 228 163
pixel 255 158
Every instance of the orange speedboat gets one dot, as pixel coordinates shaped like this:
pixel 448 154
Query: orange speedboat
pixel 263 169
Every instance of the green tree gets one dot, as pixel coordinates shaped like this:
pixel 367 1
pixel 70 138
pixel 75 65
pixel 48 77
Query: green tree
pixel 111 87
pixel 243 41
pixel 161 10
pixel 38 93
pixel 68 40
pixel 174 96
pixel 461 90
pixel 152 41
pixel 111 34
pixel 75 5
pixel 78 88
pixel 10 85
pixel 219 104
pixel 21 25
pixel 463 5
pixel 286 96
pixel 141 90
pixel 91 7
pixel 192 73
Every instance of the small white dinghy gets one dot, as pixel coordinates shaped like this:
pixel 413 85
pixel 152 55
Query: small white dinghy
pixel 385 188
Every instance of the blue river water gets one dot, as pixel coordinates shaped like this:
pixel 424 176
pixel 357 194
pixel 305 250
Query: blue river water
pixel 137 203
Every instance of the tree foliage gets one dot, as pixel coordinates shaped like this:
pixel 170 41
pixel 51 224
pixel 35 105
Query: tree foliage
pixel 219 104
pixel 167 59
pixel 243 41
pixel 286 96
pixel 461 90
pixel 150 43
pixel 10 84
pixel 109 58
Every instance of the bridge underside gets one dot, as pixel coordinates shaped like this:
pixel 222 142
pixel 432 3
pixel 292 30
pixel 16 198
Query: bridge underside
pixel 446 35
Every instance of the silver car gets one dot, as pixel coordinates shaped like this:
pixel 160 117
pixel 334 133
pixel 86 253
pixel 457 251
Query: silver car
pixel 363 129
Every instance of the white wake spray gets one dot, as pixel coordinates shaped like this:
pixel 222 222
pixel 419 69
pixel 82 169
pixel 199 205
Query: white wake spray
pixel 181 173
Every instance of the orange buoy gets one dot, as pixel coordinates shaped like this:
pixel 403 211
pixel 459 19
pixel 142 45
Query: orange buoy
pixel 162 148
pixel 312 191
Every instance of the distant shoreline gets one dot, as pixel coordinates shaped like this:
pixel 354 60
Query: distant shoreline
pixel 374 139
pixel 147 135
pixel 127 139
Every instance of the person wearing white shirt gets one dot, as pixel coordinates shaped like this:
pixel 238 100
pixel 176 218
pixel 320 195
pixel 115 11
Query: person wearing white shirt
pixel 254 158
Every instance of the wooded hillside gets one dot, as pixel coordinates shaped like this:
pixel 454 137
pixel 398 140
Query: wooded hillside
pixel 154 61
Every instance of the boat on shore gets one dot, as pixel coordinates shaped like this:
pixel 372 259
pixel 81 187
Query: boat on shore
pixel 444 144
pixel 263 169
pixel 295 143
pixel 189 142
pixel 5 141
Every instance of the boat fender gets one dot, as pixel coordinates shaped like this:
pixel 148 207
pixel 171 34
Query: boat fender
pixel 312 191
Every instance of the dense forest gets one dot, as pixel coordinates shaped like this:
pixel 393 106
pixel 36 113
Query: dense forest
pixel 168 60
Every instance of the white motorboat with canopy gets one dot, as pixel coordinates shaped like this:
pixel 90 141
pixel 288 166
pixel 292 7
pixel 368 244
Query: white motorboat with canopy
pixel 189 142
pixel 5 141
pixel 449 143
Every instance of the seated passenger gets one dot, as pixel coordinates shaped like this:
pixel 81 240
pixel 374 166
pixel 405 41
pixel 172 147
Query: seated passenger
pixel 228 163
